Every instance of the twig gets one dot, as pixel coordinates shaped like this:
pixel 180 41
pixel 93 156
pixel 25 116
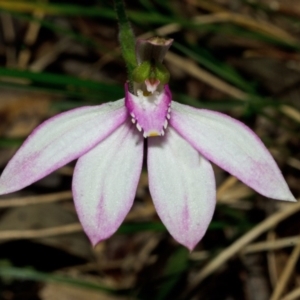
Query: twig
pixel 40 233
pixel 271 260
pixel 272 245
pixel 194 70
pixel 286 274
pixel 29 39
pixel 40 199
pixel 293 295
pixel 234 248
pixel 291 112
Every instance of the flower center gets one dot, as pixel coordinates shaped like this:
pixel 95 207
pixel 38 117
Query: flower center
pixel 150 111
pixel 149 104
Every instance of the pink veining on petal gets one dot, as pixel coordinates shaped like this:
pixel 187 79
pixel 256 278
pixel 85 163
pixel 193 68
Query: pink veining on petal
pixel 185 215
pixel 105 182
pixel 233 146
pixel 151 112
pixel 60 140
pixel 182 186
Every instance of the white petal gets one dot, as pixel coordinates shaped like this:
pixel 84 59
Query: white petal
pixel 60 140
pixel 182 186
pixel 105 182
pixel 233 146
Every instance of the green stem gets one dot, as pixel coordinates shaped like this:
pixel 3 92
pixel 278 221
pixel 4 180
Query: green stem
pixel 126 37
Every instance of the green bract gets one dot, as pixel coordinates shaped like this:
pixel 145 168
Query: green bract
pixel 142 72
pixel 147 70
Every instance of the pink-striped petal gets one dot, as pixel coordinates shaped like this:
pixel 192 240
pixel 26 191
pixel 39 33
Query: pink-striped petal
pixel 150 112
pixel 60 140
pixel 233 146
pixel 182 186
pixel 105 182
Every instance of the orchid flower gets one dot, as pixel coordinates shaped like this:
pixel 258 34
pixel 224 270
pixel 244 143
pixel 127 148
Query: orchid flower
pixel 108 141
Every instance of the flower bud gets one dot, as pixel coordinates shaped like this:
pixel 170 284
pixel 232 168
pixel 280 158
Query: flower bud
pixel 150 74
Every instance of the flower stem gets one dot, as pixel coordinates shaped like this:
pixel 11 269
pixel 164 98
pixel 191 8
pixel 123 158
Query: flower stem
pixel 126 38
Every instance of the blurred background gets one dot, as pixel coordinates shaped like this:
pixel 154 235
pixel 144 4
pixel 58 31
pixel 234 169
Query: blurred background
pixel 235 56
